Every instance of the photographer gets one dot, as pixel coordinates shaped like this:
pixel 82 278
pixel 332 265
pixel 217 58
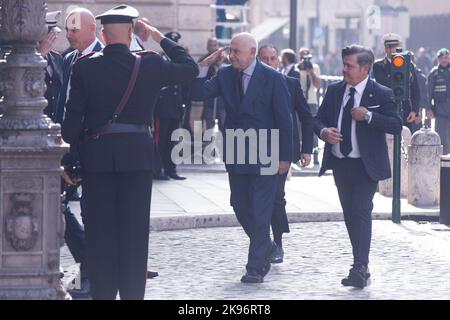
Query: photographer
pixel 310 83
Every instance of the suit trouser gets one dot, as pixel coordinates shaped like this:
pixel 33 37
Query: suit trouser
pixel 117 231
pixel 356 190
pixel 165 143
pixel 252 198
pixel 279 217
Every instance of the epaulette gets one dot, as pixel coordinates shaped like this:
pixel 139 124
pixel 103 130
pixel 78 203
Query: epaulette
pixel 379 61
pixel 435 68
pixel 146 53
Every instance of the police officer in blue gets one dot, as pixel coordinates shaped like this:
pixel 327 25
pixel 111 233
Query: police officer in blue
pixel 439 97
pixel 382 75
pixel 110 106
pixel 168 115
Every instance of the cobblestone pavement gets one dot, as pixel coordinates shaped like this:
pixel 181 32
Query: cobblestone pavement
pixel 408 261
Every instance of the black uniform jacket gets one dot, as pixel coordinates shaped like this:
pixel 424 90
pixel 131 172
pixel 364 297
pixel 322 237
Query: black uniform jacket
pixel 97 85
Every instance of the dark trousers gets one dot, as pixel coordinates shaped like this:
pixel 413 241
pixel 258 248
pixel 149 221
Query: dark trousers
pixel 117 231
pixel 252 198
pixel 75 239
pixel 279 217
pixel 164 128
pixel 356 190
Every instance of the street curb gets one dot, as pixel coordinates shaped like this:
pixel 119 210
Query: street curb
pixel 229 219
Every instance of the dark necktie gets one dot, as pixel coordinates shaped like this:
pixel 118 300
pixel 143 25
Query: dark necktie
pixel 241 85
pixel 346 125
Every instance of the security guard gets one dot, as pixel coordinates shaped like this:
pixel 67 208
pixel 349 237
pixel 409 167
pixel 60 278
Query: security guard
pixel 382 74
pixel 111 104
pixel 168 114
pixel 439 91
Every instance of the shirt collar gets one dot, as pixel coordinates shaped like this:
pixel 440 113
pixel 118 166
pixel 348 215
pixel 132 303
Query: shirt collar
pixel 359 87
pixel 250 69
pixel 90 48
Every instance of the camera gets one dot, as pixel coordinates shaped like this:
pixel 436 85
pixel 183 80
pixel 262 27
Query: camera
pixel 73 171
pixel 306 62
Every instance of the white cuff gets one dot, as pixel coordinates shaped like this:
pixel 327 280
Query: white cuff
pixel 203 71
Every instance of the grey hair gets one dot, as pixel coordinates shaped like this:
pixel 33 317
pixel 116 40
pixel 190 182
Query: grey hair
pixel 364 55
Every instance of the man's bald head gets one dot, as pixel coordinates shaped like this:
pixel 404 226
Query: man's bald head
pixel 243 49
pixel 80 28
pixel 114 33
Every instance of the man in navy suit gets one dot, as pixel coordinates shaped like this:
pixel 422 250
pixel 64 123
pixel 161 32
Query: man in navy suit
pixel 256 98
pixel 298 105
pixel 288 61
pixel 353 119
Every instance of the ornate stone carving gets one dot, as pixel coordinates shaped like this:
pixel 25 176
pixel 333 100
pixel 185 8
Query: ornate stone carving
pixel 22 20
pixel 6 82
pixel 21 225
pixel 34 83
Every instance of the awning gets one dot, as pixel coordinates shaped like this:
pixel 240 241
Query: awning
pixel 268 27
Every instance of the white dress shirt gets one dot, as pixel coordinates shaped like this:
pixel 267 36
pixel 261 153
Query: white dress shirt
pixel 336 149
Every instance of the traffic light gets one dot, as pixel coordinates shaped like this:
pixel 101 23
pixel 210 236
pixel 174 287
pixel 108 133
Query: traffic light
pixel 400 75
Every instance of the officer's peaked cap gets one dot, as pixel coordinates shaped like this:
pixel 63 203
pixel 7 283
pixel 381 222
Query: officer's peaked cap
pixel 392 40
pixel 119 14
pixel 51 19
pixel 443 52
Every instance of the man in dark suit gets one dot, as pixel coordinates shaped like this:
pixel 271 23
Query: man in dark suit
pixel 117 186
pixel 353 119
pixel 256 98
pixel 168 114
pixel 298 105
pixel 288 61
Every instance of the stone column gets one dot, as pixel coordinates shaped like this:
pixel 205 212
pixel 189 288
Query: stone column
pixel 30 151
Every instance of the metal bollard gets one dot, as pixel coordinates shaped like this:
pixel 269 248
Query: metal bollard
pixel 444 216
pixel 423 168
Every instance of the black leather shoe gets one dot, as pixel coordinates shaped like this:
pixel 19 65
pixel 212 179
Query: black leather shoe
pixel 152 274
pixel 176 176
pixel 161 177
pixel 84 292
pixel 357 277
pixel 276 253
pixel 252 276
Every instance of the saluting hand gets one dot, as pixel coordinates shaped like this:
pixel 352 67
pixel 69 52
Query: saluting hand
pixel 46 44
pixel 213 57
pixel 331 135
pixel 156 35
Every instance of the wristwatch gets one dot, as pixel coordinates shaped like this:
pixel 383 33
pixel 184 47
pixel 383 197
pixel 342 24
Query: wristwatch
pixel 368 116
